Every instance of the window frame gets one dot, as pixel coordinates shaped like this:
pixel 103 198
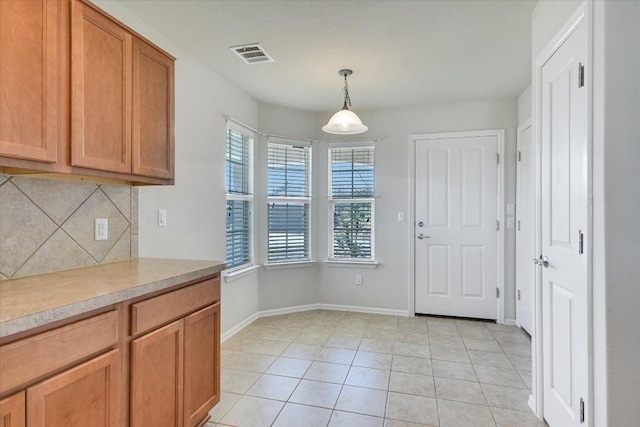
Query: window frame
pixel 250 197
pixel 303 200
pixel 344 145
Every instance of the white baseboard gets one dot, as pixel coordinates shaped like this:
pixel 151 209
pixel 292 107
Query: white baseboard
pixel 288 310
pixel 532 404
pixel 510 322
pixel 299 308
pixel 370 310
pixel 237 328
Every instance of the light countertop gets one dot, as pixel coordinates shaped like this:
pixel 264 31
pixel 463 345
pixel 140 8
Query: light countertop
pixel 29 302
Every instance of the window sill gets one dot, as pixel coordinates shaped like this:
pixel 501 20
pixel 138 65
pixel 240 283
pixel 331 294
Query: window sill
pixel 289 264
pixel 231 275
pixel 351 264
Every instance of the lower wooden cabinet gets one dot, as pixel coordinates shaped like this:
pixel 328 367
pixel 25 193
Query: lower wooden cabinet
pixel 150 361
pixel 201 363
pixel 12 411
pixel 85 395
pixel 156 378
pixel 175 378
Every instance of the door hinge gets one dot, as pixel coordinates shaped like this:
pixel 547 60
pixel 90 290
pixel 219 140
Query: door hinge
pixel 580 75
pixel 581 410
pixel 497 158
pixel 497 292
pixel 518 294
pixel 518 225
pixel 519 156
pixel 497 225
pixel 580 242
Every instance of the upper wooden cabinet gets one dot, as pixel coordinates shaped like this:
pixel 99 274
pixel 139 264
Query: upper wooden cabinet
pixel 101 54
pixel 153 91
pixel 82 94
pixel 30 70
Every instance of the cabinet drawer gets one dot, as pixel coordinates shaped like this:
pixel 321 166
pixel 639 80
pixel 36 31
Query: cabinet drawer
pixel 30 358
pixel 153 312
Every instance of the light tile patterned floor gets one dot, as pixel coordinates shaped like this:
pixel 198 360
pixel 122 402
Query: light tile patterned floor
pixel 333 368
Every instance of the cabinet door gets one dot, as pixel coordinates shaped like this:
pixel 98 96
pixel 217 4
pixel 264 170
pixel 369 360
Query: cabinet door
pixel 153 112
pixel 100 92
pixel 12 411
pixel 29 78
pixel 87 392
pixel 156 378
pixel 201 363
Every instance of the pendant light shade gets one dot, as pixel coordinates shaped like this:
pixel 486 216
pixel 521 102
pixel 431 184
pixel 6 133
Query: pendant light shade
pixel 345 121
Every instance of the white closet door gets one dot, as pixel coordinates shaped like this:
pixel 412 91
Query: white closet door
pixel 525 228
pixel 564 207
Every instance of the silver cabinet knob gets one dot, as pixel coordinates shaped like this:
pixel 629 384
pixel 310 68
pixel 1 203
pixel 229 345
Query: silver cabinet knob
pixel 422 236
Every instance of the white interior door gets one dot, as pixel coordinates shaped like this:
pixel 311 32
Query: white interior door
pixel 564 218
pixel 456 240
pixel 525 228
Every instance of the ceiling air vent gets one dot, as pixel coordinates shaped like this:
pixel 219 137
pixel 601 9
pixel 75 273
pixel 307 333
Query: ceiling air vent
pixel 252 53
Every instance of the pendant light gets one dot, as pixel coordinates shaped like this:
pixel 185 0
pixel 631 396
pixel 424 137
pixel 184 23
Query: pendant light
pixel 345 121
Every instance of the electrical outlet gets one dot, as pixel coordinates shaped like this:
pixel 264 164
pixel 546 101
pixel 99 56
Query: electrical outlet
pixel 101 229
pixel 359 279
pixel 162 218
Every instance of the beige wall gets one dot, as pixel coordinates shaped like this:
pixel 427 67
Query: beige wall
pixel 525 106
pixel 387 286
pixel 548 18
pixel 47 225
pixel 195 205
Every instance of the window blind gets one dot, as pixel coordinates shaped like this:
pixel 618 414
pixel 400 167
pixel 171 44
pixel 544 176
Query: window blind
pixel 352 230
pixel 288 190
pixel 288 174
pixel 352 203
pixel 238 165
pixel 288 231
pixel 352 173
pixel 238 233
pixel 239 188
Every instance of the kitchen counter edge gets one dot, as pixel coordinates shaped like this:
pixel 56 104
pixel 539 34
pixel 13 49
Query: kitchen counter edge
pixel 76 307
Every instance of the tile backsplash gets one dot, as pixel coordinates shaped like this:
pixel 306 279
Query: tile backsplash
pixel 48 225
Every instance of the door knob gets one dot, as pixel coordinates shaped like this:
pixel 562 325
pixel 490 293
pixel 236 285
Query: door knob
pixel 421 224
pixel 543 261
pixel 422 236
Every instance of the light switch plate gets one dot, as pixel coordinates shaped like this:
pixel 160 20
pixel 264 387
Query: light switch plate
pixel 162 218
pixel 101 229
pixel 510 222
pixel 511 209
pixel 400 216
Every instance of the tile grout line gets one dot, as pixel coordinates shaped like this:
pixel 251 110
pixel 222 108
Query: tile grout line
pixel 351 365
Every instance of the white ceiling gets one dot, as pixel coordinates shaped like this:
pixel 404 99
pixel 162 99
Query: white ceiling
pixel 403 53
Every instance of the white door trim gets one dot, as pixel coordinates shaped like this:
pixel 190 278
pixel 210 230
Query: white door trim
pixel 584 14
pixel 499 134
